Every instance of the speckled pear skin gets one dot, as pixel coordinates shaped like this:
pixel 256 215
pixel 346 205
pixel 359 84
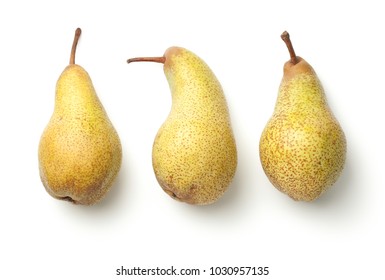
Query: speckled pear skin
pixel 194 152
pixel 302 148
pixel 80 151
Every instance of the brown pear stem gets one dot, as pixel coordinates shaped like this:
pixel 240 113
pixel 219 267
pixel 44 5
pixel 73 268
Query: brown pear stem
pixel 286 38
pixel 159 59
pixel 74 44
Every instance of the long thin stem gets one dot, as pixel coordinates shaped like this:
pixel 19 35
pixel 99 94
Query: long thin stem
pixel 286 38
pixel 74 44
pixel 159 59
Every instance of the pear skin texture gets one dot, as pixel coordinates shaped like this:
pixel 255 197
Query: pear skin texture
pixel 302 148
pixel 194 152
pixel 79 152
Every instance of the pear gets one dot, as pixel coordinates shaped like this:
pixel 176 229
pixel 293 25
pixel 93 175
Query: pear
pixel 79 152
pixel 194 153
pixel 302 148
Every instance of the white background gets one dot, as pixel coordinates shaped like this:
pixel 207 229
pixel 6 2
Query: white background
pixel 339 236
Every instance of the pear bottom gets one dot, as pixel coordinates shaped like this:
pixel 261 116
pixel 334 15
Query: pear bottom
pixel 303 163
pixel 193 194
pixel 195 176
pixel 77 166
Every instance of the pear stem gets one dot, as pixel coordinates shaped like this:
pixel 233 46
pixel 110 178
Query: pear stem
pixel 286 38
pixel 159 59
pixel 74 44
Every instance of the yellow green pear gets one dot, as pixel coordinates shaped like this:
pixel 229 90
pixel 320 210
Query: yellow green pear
pixel 79 152
pixel 302 148
pixel 194 153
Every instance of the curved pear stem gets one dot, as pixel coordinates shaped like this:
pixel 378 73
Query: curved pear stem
pixel 286 38
pixel 159 59
pixel 74 44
